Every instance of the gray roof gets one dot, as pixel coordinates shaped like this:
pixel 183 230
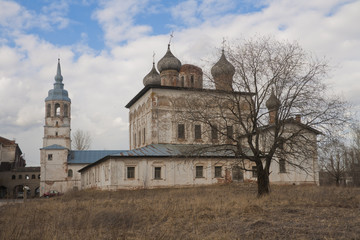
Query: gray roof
pixel 178 150
pixel 89 156
pixel 54 147
pixel 171 150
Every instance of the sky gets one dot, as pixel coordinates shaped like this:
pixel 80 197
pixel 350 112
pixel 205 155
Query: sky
pixel 106 48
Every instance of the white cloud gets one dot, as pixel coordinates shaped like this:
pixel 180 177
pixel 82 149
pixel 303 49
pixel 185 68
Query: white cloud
pixel 14 18
pixel 187 12
pixel 13 15
pixel 117 19
pixel 193 12
pixel 55 14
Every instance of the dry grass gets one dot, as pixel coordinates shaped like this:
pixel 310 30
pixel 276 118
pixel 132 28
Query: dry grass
pixel 214 212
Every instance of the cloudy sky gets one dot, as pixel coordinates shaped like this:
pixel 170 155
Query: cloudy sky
pixel 106 49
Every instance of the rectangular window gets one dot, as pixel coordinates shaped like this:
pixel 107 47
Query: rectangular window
pixel 139 138
pixel 229 132
pixel 254 172
pixel 131 172
pixel 197 131
pixel 214 133
pixel 144 136
pixel 199 171
pixel 157 174
pixel 218 171
pixel 282 166
pixel 181 131
pixel 50 156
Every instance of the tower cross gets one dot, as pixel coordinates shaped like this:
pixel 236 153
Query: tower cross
pixel 223 43
pixel 171 36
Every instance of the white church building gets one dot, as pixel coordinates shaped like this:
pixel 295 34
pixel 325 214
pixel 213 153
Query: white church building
pixel 165 149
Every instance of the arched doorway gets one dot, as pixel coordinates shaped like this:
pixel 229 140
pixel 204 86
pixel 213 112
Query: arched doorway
pixel 3 192
pixel 18 191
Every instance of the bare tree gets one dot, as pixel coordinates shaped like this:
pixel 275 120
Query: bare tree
pixel 257 115
pixel 354 156
pixel 81 140
pixel 334 160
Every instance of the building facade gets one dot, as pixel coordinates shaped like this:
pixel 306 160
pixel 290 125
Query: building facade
pixel 14 176
pixel 169 148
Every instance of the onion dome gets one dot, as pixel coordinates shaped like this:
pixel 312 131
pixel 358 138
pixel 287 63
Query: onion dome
pixel 153 77
pixel 223 67
pixel 273 102
pixel 169 62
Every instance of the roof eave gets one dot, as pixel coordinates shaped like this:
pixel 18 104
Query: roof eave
pixel 146 88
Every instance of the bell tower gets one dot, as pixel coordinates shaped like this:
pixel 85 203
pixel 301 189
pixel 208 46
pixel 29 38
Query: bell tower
pixel 56 140
pixel 57 114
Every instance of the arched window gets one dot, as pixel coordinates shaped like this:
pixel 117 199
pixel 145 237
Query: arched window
pixel 66 110
pixel 48 110
pixel 70 173
pixel 182 81
pixel 57 109
pixel 39 176
pixel 27 177
pixel 20 177
pixel 192 81
pixel 33 176
pixel 13 177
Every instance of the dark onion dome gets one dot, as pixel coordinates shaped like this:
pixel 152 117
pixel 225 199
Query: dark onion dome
pixel 153 77
pixel 169 62
pixel 273 102
pixel 222 67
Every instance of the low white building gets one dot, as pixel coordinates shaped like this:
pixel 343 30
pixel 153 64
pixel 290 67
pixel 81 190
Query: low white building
pixel 170 165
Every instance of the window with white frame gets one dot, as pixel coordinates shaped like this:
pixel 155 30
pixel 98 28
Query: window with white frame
pixel 218 170
pixel 282 166
pixel 130 172
pixel 199 172
pixel 157 173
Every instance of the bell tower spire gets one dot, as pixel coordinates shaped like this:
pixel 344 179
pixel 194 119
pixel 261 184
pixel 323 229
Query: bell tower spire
pixel 58 76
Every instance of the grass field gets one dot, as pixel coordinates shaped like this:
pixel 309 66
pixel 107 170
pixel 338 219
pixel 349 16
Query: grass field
pixel 214 212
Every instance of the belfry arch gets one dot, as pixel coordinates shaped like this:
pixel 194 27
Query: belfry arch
pixel 57 110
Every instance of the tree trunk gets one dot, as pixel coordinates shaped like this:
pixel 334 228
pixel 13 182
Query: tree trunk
pixel 263 183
